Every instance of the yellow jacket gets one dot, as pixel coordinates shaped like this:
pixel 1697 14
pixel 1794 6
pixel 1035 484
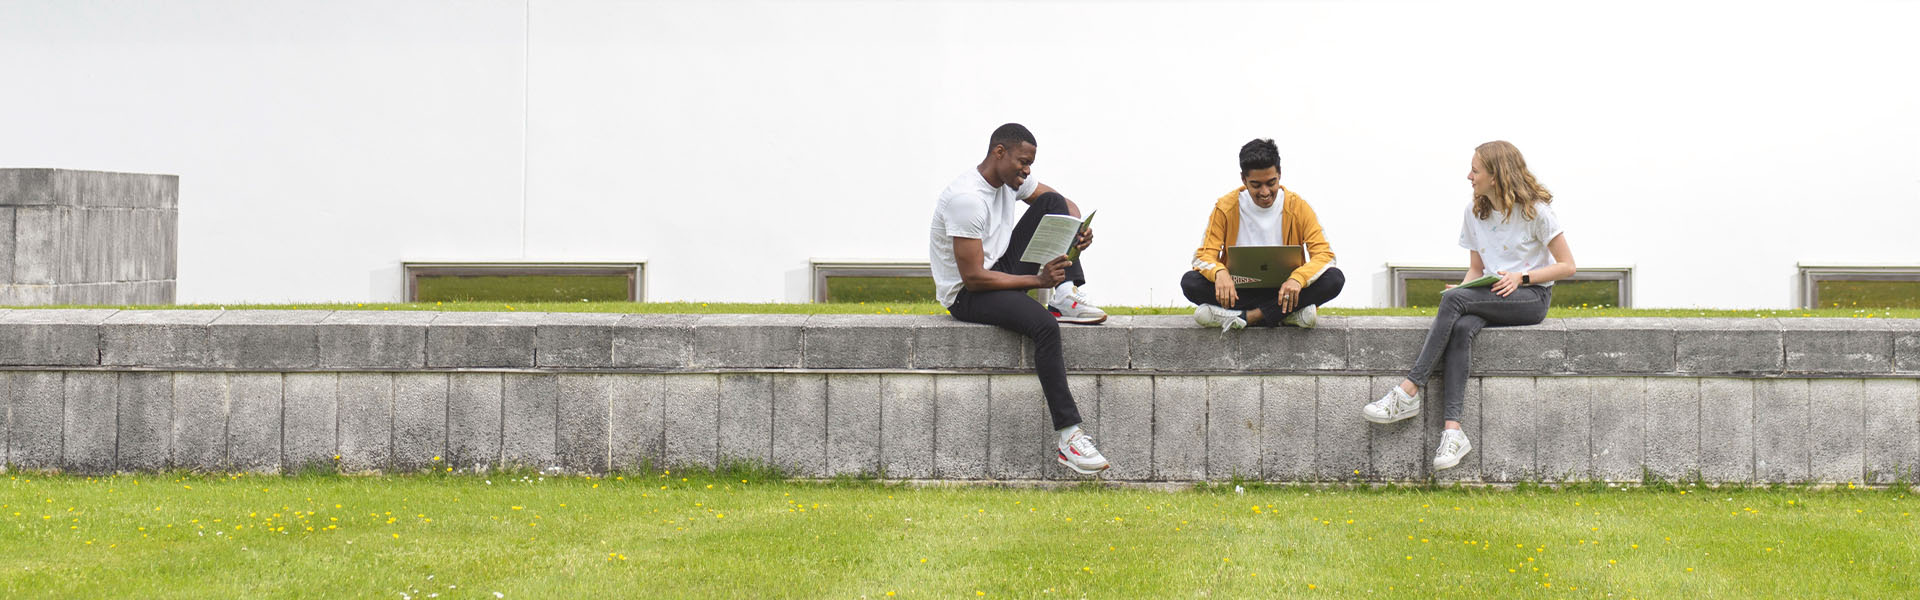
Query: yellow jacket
pixel 1299 226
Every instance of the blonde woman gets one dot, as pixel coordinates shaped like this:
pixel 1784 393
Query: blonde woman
pixel 1509 230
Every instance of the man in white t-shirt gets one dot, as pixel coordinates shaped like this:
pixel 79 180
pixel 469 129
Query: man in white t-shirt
pixel 974 245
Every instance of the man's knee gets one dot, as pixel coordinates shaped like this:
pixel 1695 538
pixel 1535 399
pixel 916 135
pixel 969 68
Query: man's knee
pixel 1051 203
pixel 1196 288
pixel 1332 279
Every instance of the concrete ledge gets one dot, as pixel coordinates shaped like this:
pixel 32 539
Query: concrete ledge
pixel 1729 400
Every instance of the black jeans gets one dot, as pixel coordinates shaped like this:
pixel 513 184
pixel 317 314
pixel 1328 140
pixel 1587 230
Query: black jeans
pixel 1463 312
pixel 1013 310
pixel 1324 289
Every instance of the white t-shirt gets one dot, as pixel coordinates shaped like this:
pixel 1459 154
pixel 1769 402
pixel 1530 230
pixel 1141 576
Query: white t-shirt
pixel 971 208
pixel 1514 245
pixel 1259 226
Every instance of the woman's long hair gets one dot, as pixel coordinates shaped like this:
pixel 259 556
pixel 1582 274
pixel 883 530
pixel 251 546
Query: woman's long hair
pixel 1513 185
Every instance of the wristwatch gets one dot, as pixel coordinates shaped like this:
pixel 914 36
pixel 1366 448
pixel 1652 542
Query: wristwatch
pixel 1526 278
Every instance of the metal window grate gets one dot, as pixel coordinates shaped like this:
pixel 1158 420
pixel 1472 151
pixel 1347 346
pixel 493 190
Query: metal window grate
pixel 633 272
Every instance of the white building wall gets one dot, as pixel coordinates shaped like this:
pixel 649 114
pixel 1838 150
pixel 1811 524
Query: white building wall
pixel 1710 145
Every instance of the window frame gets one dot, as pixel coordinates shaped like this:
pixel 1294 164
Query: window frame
pixel 1398 274
pixel 412 271
pixel 1809 276
pixel 823 268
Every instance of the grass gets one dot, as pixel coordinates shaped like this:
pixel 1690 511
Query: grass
pixel 930 308
pixel 736 535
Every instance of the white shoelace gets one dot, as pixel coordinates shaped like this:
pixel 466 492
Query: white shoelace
pixel 1083 444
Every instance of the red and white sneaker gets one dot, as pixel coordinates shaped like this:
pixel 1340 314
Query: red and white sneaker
pixel 1080 455
pixel 1072 307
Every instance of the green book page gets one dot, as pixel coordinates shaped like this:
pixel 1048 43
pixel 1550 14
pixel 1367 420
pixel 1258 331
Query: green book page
pixel 1482 282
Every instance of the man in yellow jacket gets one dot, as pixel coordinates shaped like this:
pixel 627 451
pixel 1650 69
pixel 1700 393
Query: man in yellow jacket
pixel 1261 213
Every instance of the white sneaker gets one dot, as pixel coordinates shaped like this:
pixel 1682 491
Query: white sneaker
pixel 1227 319
pixel 1394 406
pixel 1453 447
pixel 1072 306
pixel 1305 318
pixel 1079 454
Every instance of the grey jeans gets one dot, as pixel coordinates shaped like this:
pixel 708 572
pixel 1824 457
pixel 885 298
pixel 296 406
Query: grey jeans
pixel 1463 312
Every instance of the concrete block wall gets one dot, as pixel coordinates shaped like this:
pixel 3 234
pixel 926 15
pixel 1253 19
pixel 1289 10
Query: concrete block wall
pixel 1734 400
pixel 87 237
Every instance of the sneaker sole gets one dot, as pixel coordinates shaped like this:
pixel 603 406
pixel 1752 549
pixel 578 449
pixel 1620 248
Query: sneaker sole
pixel 1069 464
pixel 1415 413
pixel 1080 321
pixel 1456 461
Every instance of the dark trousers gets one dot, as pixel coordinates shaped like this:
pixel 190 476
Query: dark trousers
pixel 1322 290
pixel 1463 312
pixel 1014 311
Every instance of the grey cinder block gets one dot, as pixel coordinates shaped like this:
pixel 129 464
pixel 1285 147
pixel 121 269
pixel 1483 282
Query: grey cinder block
pixel 474 419
pixel 907 410
pixel 692 419
pixel 51 337
pixel 853 424
pixel 1102 347
pixel 266 339
pixel 1728 346
pixel 746 417
pixel 1342 444
pixel 529 423
pixel 1509 438
pixel 1233 427
pixel 370 339
pixel 1892 436
pixel 1175 343
pixel 1620 345
pixel 1673 427
pixel 1780 436
pixel 1525 349
pixel 1022 443
pixel 1287 414
pixel 1126 426
pixel 420 422
pixel 1906 346
pixel 1563 423
pixel 800 424
pixel 1619 428
pixel 586 433
pixel 1288 349
pixel 654 341
pixel 942 342
pixel 748 341
pixel 145 423
pixel 366 422
pixel 309 417
pixel 199 420
pixel 582 340
pixel 90 422
pixel 1838 345
pixel 1386 344
pixel 158 338
pixel 1837 439
pixel 960 426
pixel 1397 451
pixel 481 339
pixel 637 406
pixel 37 414
pixel 1726 429
pixel 858 341
pixel 254 422
pixel 1180 428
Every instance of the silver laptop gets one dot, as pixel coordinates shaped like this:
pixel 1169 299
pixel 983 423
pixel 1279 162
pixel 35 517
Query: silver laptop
pixel 1257 267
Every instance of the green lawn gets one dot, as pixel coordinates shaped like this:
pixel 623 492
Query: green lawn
pixel 931 308
pixel 749 536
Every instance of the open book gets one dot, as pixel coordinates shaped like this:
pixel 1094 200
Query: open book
pixel 1055 236
pixel 1481 282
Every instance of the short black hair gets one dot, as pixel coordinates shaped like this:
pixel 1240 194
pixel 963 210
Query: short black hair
pixel 1259 154
pixel 1010 135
